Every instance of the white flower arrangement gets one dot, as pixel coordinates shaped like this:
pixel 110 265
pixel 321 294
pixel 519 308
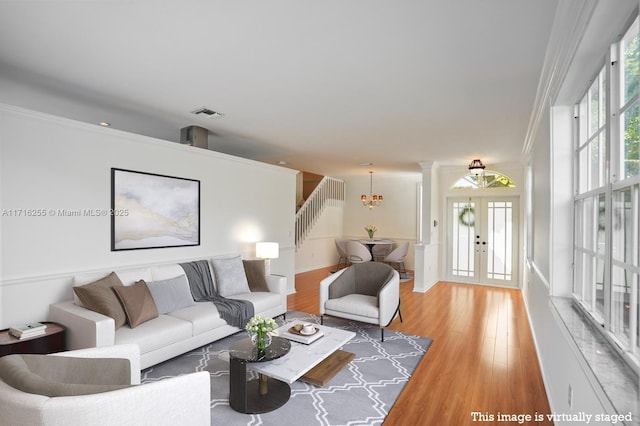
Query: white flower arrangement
pixel 371 229
pixel 261 326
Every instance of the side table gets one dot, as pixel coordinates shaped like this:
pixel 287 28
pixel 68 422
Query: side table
pixel 53 340
pixel 259 395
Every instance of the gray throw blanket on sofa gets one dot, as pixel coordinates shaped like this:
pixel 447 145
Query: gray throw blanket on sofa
pixel 234 312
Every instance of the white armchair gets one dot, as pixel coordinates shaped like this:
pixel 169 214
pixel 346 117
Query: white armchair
pixel 366 292
pixel 178 400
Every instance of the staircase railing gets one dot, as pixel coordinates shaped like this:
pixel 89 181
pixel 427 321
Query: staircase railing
pixel 329 191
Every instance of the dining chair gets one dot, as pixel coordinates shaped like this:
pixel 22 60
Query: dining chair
pixel 380 251
pixel 341 247
pixel 397 256
pixel 357 252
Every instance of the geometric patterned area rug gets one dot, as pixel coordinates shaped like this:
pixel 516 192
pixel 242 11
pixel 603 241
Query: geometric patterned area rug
pixel 362 393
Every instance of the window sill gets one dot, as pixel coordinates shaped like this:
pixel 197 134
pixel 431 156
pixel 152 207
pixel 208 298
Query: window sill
pixel 615 376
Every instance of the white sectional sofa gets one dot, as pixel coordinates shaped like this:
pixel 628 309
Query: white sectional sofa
pixel 169 334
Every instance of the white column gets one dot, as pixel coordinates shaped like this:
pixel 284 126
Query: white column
pixel 427 250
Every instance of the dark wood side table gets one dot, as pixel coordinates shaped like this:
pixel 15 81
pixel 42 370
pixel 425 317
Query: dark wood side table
pixel 54 340
pixel 263 394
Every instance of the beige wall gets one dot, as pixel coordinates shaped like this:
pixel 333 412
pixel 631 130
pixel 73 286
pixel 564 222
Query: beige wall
pixel 396 218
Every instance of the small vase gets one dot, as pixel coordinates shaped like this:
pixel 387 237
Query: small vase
pixel 370 235
pixel 261 342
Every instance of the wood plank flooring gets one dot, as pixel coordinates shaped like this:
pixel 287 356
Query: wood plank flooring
pixel 482 358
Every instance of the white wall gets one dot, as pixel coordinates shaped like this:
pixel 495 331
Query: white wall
pixel 396 218
pixel 52 163
pixel 318 250
pixel 541 199
pixel 561 363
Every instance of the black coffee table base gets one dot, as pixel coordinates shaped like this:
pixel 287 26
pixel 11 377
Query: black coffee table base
pixel 255 396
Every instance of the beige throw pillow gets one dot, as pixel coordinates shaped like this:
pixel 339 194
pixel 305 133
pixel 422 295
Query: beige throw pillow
pixel 254 269
pixel 98 296
pixel 137 302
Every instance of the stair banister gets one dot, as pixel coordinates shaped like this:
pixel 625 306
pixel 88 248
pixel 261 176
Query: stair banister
pixel 330 191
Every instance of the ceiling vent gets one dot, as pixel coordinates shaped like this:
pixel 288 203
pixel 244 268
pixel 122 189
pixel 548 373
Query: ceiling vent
pixel 206 112
pixel 195 136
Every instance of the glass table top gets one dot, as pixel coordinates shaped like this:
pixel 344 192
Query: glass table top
pixel 244 350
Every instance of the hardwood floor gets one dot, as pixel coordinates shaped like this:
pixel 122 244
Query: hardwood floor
pixel 482 358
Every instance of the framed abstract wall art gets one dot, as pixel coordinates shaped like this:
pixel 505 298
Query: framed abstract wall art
pixel 153 211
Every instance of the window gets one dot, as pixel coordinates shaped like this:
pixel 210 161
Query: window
pixel 629 78
pixel 592 129
pixel 607 201
pixel 486 179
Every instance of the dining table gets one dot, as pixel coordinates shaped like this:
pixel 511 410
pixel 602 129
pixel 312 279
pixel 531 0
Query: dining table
pixel 371 243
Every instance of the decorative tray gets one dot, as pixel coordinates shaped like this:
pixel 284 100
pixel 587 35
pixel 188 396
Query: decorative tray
pixel 297 329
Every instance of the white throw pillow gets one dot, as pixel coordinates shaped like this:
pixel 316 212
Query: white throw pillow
pixel 230 276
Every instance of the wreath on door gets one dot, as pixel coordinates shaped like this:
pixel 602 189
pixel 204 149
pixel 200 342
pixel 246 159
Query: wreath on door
pixel 467 216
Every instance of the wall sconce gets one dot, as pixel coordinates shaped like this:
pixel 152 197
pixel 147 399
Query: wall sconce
pixel 267 251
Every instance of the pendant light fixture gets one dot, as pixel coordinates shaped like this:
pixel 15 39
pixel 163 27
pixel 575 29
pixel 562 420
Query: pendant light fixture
pixel 372 200
pixel 477 168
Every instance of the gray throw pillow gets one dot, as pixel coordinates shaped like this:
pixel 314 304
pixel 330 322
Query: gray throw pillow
pixel 171 294
pixel 230 276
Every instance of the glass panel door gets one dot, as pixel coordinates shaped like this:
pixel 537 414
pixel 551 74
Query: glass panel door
pixel 499 250
pixel 482 240
pixel 462 219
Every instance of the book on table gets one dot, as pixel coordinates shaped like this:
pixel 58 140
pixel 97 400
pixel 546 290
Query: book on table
pixel 27 334
pixel 25 331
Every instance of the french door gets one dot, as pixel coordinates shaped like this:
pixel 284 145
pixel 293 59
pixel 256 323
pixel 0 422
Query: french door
pixel 483 240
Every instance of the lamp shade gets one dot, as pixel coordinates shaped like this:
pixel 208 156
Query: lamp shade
pixel 267 250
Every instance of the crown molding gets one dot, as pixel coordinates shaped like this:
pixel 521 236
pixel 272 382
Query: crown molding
pixel 569 25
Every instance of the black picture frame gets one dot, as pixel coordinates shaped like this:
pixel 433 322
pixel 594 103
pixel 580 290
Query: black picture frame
pixel 151 210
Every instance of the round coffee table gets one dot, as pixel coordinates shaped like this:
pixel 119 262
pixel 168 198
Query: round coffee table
pixel 258 395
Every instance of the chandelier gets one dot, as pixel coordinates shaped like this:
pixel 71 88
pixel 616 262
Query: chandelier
pixel 372 200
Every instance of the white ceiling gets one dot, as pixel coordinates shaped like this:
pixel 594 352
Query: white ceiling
pixel 323 86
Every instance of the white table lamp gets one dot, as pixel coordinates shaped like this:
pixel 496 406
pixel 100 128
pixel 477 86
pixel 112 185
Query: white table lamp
pixel 267 251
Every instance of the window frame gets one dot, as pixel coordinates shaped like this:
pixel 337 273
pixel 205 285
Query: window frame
pixel 611 181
